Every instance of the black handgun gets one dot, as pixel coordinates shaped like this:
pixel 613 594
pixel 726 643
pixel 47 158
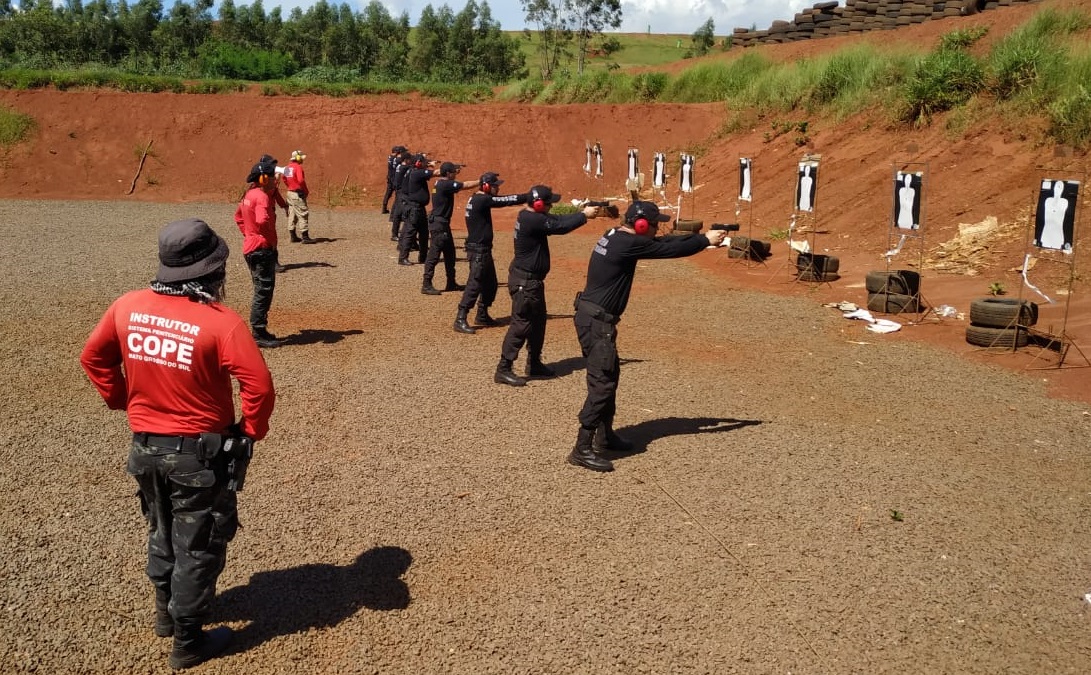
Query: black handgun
pixel 239 450
pixel 607 207
pixel 726 227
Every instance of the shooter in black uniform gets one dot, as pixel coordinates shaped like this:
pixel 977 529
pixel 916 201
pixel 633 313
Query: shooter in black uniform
pixel 482 283
pixel 397 213
pixel 415 188
pixel 526 282
pixel 392 163
pixel 439 229
pixel 598 310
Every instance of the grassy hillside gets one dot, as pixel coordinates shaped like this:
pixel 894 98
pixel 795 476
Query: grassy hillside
pixel 637 50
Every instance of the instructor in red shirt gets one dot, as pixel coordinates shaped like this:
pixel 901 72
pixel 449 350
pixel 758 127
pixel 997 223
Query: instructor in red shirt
pixel 298 213
pixel 167 355
pixel 256 217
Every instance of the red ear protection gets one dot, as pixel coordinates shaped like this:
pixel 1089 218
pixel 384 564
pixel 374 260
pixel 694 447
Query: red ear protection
pixel 640 222
pixel 538 205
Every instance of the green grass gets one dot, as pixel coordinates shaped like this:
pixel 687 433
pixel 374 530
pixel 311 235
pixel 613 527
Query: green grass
pixel 15 127
pixel 638 50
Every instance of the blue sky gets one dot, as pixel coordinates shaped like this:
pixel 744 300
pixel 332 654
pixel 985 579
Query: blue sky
pixel 661 16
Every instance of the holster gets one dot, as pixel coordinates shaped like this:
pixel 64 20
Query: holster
pixel 238 450
pixel 209 446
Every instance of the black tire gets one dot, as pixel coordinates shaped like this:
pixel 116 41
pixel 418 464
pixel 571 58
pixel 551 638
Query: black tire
pixel 811 275
pixel 904 282
pixel 688 225
pixel 737 254
pixel 762 248
pixel 985 336
pixel 817 263
pixel 893 303
pixel 740 243
pixel 1003 312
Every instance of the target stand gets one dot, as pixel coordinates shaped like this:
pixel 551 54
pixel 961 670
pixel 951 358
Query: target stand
pixel 894 291
pixel 1051 239
pixel 807 266
pixel 747 253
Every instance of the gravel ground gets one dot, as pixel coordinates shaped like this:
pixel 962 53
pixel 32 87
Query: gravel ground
pixel 804 503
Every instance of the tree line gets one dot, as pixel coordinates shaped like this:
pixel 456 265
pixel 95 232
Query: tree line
pixel 323 42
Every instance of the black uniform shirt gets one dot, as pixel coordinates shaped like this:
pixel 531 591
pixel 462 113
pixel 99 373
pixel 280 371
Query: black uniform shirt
pixel 392 164
pixel 416 185
pixel 479 215
pixel 443 197
pixel 399 177
pixel 532 230
pixel 613 264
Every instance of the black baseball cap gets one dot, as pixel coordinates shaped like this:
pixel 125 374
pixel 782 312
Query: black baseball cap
pixel 646 210
pixel 544 193
pixel 397 149
pixel 448 167
pixel 490 178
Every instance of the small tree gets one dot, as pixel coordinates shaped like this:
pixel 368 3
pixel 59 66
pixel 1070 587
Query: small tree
pixel 704 38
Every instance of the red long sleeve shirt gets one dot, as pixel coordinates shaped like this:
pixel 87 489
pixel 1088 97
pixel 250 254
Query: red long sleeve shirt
pixel 256 217
pixel 294 179
pixel 168 362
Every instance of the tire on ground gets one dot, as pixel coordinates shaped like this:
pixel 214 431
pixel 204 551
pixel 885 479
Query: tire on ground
pixel 905 282
pixel 817 264
pixel 1003 312
pixel 893 303
pixel 986 336
pixel 688 225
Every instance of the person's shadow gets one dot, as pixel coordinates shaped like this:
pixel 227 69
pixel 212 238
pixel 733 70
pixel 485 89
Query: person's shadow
pixel 642 434
pixel 571 364
pixel 310 336
pixel 298 266
pixel 323 240
pixel 284 602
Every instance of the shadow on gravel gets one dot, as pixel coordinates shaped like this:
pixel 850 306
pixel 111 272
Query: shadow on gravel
pixel 572 364
pixel 302 265
pixel 310 336
pixel 641 435
pixel 283 602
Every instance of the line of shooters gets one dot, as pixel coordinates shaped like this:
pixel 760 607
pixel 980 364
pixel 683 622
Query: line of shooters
pixel 598 307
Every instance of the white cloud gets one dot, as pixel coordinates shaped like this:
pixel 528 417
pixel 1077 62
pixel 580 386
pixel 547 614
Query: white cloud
pixel 661 16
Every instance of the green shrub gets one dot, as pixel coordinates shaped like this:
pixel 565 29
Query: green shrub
pixel 649 86
pixel 963 37
pixel 227 61
pixel 942 80
pixel 14 126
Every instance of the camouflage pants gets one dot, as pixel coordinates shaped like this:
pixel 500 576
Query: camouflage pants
pixel 191 516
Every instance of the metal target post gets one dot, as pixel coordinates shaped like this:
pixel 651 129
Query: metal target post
pixel 906 225
pixel 804 212
pixel 1052 238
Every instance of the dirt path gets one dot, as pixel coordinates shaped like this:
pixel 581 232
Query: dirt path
pixel 811 498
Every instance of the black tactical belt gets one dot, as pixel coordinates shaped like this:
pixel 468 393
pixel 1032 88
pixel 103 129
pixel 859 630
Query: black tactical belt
pixel 189 446
pixel 529 276
pixel 596 312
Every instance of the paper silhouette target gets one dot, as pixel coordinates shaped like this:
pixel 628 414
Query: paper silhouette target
pixel 807 186
pixel 597 151
pixel 744 179
pixel 907 200
pixel 634 163
pixel 1055 222
pixel 659 171
pixel 685 179
pixel 587 158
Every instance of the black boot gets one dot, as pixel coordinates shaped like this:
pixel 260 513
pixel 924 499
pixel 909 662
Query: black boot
pixel 428 289
pixel 404 261
pixel 460 323
pixel 193 646
pixel 266 339
pixel 584 453
pixel 307 238
pixel 164 623
pixel 483 318
pixel 452 286
pixel 505 375
pixel 537 369
pixel 294 236
pixel 607 440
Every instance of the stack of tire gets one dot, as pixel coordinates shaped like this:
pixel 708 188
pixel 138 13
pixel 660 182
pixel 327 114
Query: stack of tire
pixel 817 267
pixel 894 291
pixel 1001 322
pixel 745 248
pixel 688 226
